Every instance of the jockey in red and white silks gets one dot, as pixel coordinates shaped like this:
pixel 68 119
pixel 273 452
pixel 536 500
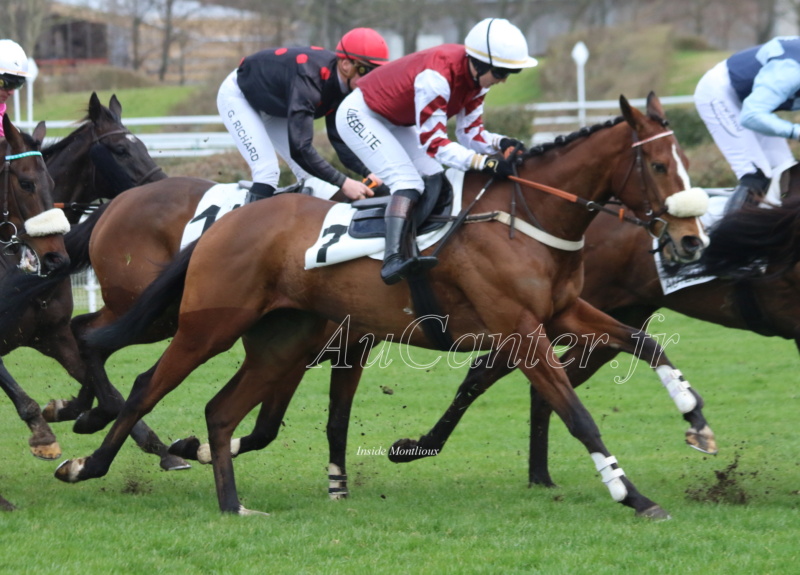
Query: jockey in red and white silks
pixel 396 121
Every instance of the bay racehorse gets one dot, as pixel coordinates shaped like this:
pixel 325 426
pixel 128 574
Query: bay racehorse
pixel 31 232
pixel 622 279
pixel 95 161
pixel 245 278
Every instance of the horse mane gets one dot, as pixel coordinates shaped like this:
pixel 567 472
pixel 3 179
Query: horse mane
pixel 64 142
pixel 743 242
pixel 567 139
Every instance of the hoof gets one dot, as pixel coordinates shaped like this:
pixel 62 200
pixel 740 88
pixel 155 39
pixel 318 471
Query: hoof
pixel 656 513
pixel 245 511
pixel 702 440
pixel 47 452
pixel 541 482
pixel 50 411
pixel 69 470
pixel 185 448
pixel 174 463
pixel 405 450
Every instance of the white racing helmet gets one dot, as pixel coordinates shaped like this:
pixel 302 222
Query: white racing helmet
pixel 13 60
pixel 497 42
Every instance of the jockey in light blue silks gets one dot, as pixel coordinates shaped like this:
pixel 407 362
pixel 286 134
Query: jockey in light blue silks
pixel 737 99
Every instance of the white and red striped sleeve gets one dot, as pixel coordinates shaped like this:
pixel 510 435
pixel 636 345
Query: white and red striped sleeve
pixel 431 95
pixel 470 131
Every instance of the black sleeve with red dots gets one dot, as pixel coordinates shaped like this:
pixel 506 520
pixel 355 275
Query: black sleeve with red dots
pixel 300 84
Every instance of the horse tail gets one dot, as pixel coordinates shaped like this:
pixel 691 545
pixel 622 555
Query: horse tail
pixel 165 291
pixel 77 240
pixel 745 240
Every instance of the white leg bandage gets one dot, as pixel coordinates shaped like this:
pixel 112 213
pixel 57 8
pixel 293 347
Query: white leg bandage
pixel 204 451
pixel 611 477
pixel 677 387
pixel 337 482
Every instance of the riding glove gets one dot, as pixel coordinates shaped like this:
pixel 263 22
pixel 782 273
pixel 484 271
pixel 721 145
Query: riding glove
pixel 499 168
pixel 506 143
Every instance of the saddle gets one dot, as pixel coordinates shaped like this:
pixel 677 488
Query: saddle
pixel 430 213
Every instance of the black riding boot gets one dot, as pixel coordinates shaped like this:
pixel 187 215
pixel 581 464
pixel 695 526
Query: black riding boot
pixel 397 264
pixel 751 190
pixel 258 191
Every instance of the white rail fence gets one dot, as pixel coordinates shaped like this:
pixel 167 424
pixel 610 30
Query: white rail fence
pixel 552 116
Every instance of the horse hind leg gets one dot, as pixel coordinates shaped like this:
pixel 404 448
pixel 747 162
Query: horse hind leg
pixel 483 373
pixel 42 442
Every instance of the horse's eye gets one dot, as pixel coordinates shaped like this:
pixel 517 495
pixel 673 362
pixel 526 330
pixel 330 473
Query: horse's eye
pixel 27 185
pixel 659 168
pixel 122 151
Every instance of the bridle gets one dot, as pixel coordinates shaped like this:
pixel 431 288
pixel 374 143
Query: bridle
pixel 98 141
pixel 6 170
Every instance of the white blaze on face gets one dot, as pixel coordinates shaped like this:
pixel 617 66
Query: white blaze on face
pixel 683 173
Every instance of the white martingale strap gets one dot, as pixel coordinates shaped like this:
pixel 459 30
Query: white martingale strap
pixel 47 223
pixel 610 476
pixel 677 387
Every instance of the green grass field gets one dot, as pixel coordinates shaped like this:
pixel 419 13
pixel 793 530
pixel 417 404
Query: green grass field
pixel 468 511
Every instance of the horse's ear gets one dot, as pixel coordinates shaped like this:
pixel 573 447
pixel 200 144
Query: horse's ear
pixel 654 108
pixel 115 107
pixel 12 134
pixel 95 107
pixel 39 132
pixel 628 112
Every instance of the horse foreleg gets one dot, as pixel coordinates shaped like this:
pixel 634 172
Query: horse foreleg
pixel 42 442
pixel 606 336
pixel 541 368
pixel 483 373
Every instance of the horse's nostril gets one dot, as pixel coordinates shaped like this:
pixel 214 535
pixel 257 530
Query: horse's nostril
pixel 691 244
pixel 54 261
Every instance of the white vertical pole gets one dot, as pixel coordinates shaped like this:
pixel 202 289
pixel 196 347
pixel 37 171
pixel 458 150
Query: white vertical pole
pixel 91 290
pixel 580 54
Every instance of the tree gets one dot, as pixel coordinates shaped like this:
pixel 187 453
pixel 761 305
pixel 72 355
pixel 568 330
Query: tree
pixel 22 21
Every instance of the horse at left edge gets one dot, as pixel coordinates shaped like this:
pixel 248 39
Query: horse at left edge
pixel 31 231
pixel 96 161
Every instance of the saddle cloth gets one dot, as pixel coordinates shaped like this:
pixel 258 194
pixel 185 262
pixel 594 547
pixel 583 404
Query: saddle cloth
pixel 215 203
pixel 335 245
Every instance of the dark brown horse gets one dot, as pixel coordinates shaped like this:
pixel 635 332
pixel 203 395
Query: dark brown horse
pixel 95 161
pixel 31 232
pixel 504 290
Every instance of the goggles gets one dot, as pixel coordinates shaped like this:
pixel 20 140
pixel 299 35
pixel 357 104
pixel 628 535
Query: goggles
pixel 362 68
pixel 9 82
pixel 503 73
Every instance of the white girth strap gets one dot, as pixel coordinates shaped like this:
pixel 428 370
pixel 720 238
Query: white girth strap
pixel 537 234
pixel 610 476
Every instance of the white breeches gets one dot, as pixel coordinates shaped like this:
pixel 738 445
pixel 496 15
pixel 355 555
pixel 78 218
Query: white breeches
pixel 389 151
pixel 260 139
pixel 719 108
